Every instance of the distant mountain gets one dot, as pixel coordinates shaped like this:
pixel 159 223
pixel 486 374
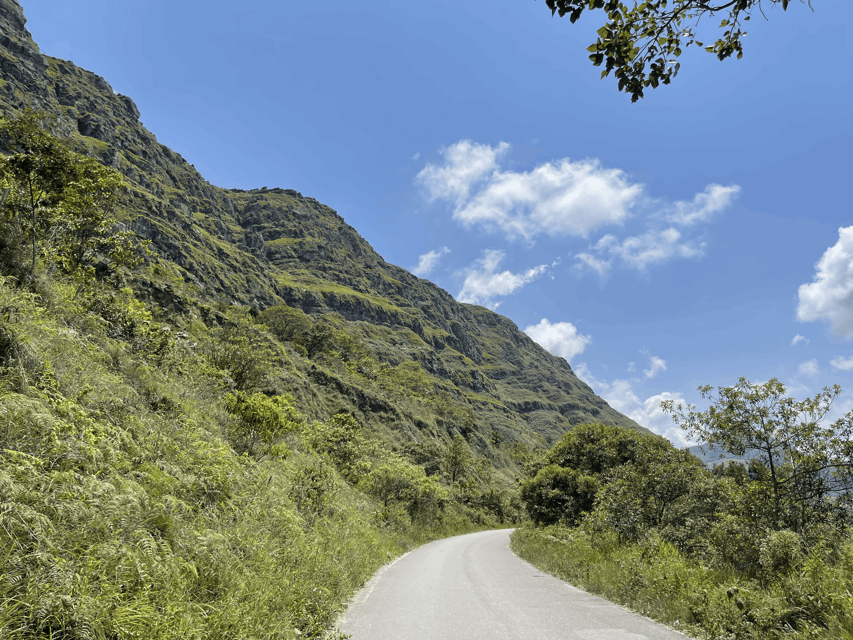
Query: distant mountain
pixel 712 455
pixel 267 247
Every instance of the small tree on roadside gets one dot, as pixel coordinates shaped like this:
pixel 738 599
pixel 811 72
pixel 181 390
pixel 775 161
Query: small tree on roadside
pixel 557 494
pixel 804 464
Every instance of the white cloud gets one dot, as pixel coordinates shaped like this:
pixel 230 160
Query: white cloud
pixel 559 338
pixel 416 156
pixel 651 416
pixel 656 366
pixel 558 199
pixel 638 252
pixel 621 396
pixel 798 339
pixel 564 198
pixel 429 261
pixel 483 282
pixel 809 368
pixel 582 371
pixel 714 199
pixel 589 261
pixel 830 296
pixel 845 364
pixel 465 164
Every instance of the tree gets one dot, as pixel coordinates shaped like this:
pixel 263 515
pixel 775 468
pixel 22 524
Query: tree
pixel 82 222
pixel 399 481
pixel 457 459
pixel 60 200
pixel 261 420
pixel 597 448
pixel 641 44
pixel 36 174
pixel 285 322
pixel 342 442
pixel 649 492
pixel 319 337
pixel 804 466
pixel 245 353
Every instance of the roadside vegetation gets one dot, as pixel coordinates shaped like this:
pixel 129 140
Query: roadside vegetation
pixel 740 551
pixel 160 476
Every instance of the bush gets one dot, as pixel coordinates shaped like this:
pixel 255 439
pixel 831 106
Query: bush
pixel 558 495
pixel 313 487
pixel 780 552
pixel 261 421
pixel 243 352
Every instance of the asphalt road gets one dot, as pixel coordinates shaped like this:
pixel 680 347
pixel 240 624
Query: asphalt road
pixel 473 587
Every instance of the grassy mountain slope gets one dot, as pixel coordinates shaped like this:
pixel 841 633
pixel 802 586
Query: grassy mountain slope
pixel 274 246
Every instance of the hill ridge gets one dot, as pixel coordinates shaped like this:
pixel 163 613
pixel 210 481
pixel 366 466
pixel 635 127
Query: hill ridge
pixel 265 247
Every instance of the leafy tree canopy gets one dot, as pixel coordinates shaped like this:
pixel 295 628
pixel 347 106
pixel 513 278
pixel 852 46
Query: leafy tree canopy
pixel 803 462
pixel 641 44
pixel 59 202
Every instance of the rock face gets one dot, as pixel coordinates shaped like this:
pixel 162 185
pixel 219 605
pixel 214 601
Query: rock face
pixel 272 246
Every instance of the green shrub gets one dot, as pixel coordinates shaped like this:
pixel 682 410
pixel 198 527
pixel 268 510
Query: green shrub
pixel 245 354
pixel 557 494
pixel 780 552
pixel 261 421
pixel 313 487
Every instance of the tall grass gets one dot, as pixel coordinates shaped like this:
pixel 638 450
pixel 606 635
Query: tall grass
pixel 125 512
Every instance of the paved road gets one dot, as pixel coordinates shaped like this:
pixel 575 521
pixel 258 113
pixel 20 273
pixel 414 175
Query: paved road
pixel 474 588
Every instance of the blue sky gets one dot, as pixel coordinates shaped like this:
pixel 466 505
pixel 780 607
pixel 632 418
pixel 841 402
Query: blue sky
pixel 700 235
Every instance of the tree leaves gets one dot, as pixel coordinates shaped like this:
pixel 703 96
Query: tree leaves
pixel 637 44
pixel 59 201
pixel 807 463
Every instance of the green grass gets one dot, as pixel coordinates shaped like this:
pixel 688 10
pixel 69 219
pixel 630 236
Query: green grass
pixel 126 512
pixel 656 580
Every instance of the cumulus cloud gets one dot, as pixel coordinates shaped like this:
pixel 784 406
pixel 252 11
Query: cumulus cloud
pixel 656 365
pixel 844 364
pixel 704 205
pixel 563 198
pixel 638 252
pixel 559 338
pixel 483 282
pixel 465 164
pixel 429 261
pixel 798 339
pixel 809 368
pixel 621 396
pixel 830 296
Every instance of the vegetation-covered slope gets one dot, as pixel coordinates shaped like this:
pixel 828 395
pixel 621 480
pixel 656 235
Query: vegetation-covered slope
pixel 269 247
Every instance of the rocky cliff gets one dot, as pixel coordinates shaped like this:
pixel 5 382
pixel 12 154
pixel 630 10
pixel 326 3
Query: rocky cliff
pixel 275 246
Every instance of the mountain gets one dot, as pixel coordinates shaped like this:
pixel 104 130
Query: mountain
pixel 214 247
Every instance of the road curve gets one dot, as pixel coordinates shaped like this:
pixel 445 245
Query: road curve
pixel 473 587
